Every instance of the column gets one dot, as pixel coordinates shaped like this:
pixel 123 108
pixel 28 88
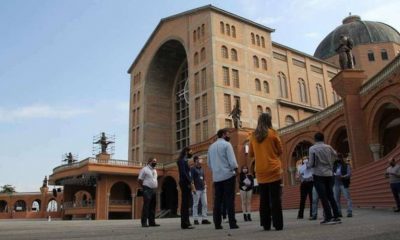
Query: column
pixel 292 171
pixel 133 196
pixel 376 150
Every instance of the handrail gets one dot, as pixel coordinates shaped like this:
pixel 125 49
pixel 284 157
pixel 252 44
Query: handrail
pixel 82 204
pixel 120 202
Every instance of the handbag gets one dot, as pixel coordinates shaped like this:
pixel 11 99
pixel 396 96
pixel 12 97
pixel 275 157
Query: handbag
pixel 139 192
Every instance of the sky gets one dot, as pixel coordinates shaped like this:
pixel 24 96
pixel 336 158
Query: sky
pixel 63 67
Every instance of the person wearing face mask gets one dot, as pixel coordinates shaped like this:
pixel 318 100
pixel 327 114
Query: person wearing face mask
pixel 306 187
pixel 393 173
pixel 342 173
pixel 199 192
pixel 148 181
pixel 223 165
pixel 246 183
pixel 185 183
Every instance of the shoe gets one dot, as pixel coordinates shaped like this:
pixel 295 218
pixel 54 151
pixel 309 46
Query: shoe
pixel 234 226
pixel 196 222
pixel 396 210
pixel 336 220
pixel 187 227
pixel 267 228
pixel 349 215
pixel 312 218
pixel 299 217
pixel 218 227
pixel 340 215
pixel 249 217
pixel 245 217
pixel 327 222
pixel 226 220
pixel 154 225
pixel 145 225
pixel 205 221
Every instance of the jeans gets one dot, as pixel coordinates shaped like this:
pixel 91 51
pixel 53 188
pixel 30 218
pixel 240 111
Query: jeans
pixel 396 191
pixel 224 191
pixel 324 187
pixel 245 196
pixel 200 195
pixel 149 206
pixel 271 205
pixel 315 199
pixel 306 189
pixel 337 189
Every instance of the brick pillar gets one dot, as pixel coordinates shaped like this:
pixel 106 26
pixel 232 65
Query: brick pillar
pixel 347 84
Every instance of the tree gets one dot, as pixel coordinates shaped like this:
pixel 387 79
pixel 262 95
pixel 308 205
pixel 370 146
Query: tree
pixel 7 189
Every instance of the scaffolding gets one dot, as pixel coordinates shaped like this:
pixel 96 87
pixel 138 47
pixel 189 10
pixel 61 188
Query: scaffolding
pixel 103 143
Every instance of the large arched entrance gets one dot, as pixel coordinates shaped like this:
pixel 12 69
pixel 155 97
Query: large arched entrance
pixel 35 207
pixel 3 206
pixel 20 206
pixel 169 197
pixel 298 153
pixel 166 113
pixel 340 141
pixel 120 204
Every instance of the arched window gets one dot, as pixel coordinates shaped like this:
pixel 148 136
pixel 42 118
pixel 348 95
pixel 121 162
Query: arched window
pixel 371 56
pixel 384 54
pixel 256 62
pixel 224 52
pixel 302 90
pixel 222 27
pixel 289 120
pixel 234 56
pixel 203 30
pixel 262 42
pixel 138 97
pixel 194 35
pixel 202 54
pixel 266 87
pixel 228 29
pixel 198 33
pixel 258 40
pixel 282 85
pixel 258 84
pixel 253 41
pixel 268 110
pixel 320 94
pixel 196 58
pixel 233 29
pixel 259 110
pixel 264 63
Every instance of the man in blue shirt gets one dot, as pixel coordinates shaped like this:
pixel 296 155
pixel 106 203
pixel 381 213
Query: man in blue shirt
pixel 342 173
pixel 223 165
pixel 199 192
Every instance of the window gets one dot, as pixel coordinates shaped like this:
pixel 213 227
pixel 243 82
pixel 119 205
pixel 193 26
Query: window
pixel 282 85
pixel 384 54
pixel 256 62
pixel 137 154
pixel 335 96
pixel 259 110
pixel 224 52
pixel 225 71
pixel 262 42
pixel 253 41
pixel 198 132
pixel 134 99
pixel 196 83
pixel 194 35
pixel 266 87
pixel 205 105
pixel 258 40
pixel 302 90
pixel 138 97
pixel 228 123
pixel 320 94
pixel 203 54
pixel 289 120
pixel 203 30
pixel 182 109
pixel 234 56
pixel 203 79
pixel 264 63
pixel 235 78
pixel 227 103
pixel 228 29
pixel 134 118
pixel 205 130
pixel 268 110
pixel 237 100
pixel 196 58
pixel 233 29
pixel 198 33
pixel 137 115
pixel 371 56
pixel 137 135
pixel 222 27
pixel 258 84
pixel 197 108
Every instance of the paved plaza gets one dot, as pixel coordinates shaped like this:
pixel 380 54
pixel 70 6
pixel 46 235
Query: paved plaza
pixel 366 224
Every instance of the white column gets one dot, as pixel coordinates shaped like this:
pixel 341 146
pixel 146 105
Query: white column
pixel 376 150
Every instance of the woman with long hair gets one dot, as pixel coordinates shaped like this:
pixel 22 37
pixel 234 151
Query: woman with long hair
pixel 266 147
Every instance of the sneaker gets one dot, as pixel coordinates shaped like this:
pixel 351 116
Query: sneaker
pixel 218 227
pixel 300 217
pixel 340 215
pixel 336 220
pixel 396 210
pixel 327 222
pixel 234 226
pixel 312 218
pixel 205 221
pixel 154 225
pixel 349 215
pixel 196 222
pixel 226 220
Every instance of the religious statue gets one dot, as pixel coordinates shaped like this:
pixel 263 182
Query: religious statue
pixel 44 181
pixel 344 51
pixel 69 158
pixel 235 113
pixel 103 142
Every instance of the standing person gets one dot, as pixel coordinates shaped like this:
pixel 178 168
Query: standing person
pixel 148 182
pixel 223 165
pixel 246 184
pixel 393 173
pixel 199 192
pixel 266 147
pixel 306 187
pixel 321 160
pixel 342 173
pixel 185 181
pixel 315 198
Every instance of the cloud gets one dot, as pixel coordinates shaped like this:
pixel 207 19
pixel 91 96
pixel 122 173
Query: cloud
pixel 39 111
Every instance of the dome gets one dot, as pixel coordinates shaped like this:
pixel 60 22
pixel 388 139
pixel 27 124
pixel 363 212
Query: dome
pixel 361 32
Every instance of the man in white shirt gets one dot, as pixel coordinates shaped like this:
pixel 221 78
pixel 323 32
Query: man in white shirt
pixel 148 182
pixel 393 173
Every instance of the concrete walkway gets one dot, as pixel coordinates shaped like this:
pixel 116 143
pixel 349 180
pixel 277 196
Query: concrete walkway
pixel 367 224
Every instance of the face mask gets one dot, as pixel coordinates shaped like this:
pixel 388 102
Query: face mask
pixel 189 155
pixel 227 138
pixel 153 164
pixel 244 170
pixel 305 161
pixel 392 164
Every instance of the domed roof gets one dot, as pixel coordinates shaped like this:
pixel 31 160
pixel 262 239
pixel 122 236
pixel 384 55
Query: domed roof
pixel 361 32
